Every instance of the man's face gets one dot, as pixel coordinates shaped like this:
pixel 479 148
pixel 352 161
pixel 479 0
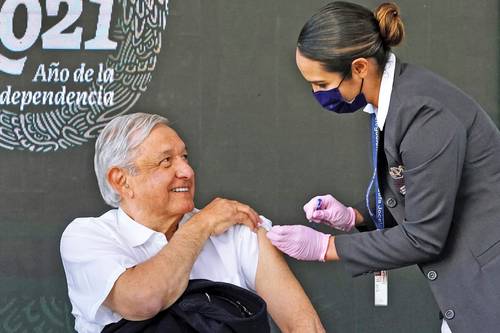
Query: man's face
pixel 164 183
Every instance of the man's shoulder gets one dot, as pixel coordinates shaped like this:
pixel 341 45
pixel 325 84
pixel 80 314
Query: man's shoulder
pixel 82 226
pixel 242 233
pixel 87 232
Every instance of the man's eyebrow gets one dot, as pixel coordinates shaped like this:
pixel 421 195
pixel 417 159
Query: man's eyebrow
pixel 169 152
pixel 164 153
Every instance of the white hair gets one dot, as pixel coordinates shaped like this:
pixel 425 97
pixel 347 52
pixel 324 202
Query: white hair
pixel 116 145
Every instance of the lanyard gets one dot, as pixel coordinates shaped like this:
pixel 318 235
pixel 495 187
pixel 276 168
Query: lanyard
pixel 378 217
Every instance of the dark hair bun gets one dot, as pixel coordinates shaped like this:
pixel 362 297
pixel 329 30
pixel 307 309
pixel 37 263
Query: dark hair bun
pixel 391 26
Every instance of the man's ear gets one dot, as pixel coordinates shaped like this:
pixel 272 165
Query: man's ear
pixel 117 178
pixel 360 67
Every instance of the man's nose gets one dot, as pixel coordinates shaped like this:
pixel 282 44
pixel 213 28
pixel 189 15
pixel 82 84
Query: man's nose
pixel 184 170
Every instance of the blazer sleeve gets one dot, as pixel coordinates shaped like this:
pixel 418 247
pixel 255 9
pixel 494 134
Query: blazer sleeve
pixel 368 224
pixel 433 151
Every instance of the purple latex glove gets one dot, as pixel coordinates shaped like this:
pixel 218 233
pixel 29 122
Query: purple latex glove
pixel 330 212
pixel 299 242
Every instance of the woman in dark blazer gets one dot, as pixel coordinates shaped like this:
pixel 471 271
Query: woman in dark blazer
pixel 435 193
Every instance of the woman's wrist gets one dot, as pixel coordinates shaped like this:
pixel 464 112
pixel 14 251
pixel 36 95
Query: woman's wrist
pixel 359 219
pixel 331 252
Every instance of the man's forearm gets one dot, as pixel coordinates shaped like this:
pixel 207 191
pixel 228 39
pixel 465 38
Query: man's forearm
pixel 144 290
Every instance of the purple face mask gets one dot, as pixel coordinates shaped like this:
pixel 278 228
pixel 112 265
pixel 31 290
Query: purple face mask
pixel 332 100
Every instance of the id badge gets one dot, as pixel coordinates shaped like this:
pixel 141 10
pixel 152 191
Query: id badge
pixel 381 288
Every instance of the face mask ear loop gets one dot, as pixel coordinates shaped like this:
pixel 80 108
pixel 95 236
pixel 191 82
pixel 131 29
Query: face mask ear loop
pixel 361 89
pixel 345 75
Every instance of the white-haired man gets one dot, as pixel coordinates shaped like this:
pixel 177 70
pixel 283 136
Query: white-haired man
pixel 136 260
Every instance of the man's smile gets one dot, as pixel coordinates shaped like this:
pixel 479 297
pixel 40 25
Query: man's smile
pixel 180 189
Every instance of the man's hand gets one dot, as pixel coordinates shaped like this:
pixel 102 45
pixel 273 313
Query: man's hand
pixel 221 214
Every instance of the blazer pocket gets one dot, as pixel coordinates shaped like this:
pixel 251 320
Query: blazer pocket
pixel 490 254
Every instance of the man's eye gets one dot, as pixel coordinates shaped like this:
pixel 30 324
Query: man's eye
pixel 166 160
pixel 185 156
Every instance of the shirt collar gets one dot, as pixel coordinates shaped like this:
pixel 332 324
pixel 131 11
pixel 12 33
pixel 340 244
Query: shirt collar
pixel 384 96
pixel 136 234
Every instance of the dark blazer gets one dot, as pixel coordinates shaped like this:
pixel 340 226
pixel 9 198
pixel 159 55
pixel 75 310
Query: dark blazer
pixel 439 174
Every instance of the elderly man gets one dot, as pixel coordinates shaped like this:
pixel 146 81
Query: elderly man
pixel 136 260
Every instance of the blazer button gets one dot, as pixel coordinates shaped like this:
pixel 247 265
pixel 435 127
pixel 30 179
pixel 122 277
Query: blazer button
pixel 449 314
pixel 391 202
pixel 432 275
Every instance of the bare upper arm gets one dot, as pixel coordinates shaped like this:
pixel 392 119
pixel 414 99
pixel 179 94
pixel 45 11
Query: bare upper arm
pixel 287 303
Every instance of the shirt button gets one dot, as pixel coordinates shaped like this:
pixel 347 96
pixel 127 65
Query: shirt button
pixel 391 202
pixel 449 314
pixel 432 275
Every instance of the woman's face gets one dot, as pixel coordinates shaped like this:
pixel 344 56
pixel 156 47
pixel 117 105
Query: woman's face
pixel 320 79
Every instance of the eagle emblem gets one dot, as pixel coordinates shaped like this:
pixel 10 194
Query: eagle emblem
pixel 396 172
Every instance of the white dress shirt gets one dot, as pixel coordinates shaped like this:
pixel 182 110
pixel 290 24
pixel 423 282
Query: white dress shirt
pixel 96 251
pixel 384 95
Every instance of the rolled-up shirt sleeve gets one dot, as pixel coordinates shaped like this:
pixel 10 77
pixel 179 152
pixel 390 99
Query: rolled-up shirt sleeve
pixel 433 152
pixel 92 263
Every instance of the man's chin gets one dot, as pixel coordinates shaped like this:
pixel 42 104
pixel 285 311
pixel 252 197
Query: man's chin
pixel 191 207
pixel 186 208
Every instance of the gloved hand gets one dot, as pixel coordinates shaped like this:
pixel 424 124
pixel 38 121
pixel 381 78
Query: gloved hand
pixel 299 242
pixel 330 212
